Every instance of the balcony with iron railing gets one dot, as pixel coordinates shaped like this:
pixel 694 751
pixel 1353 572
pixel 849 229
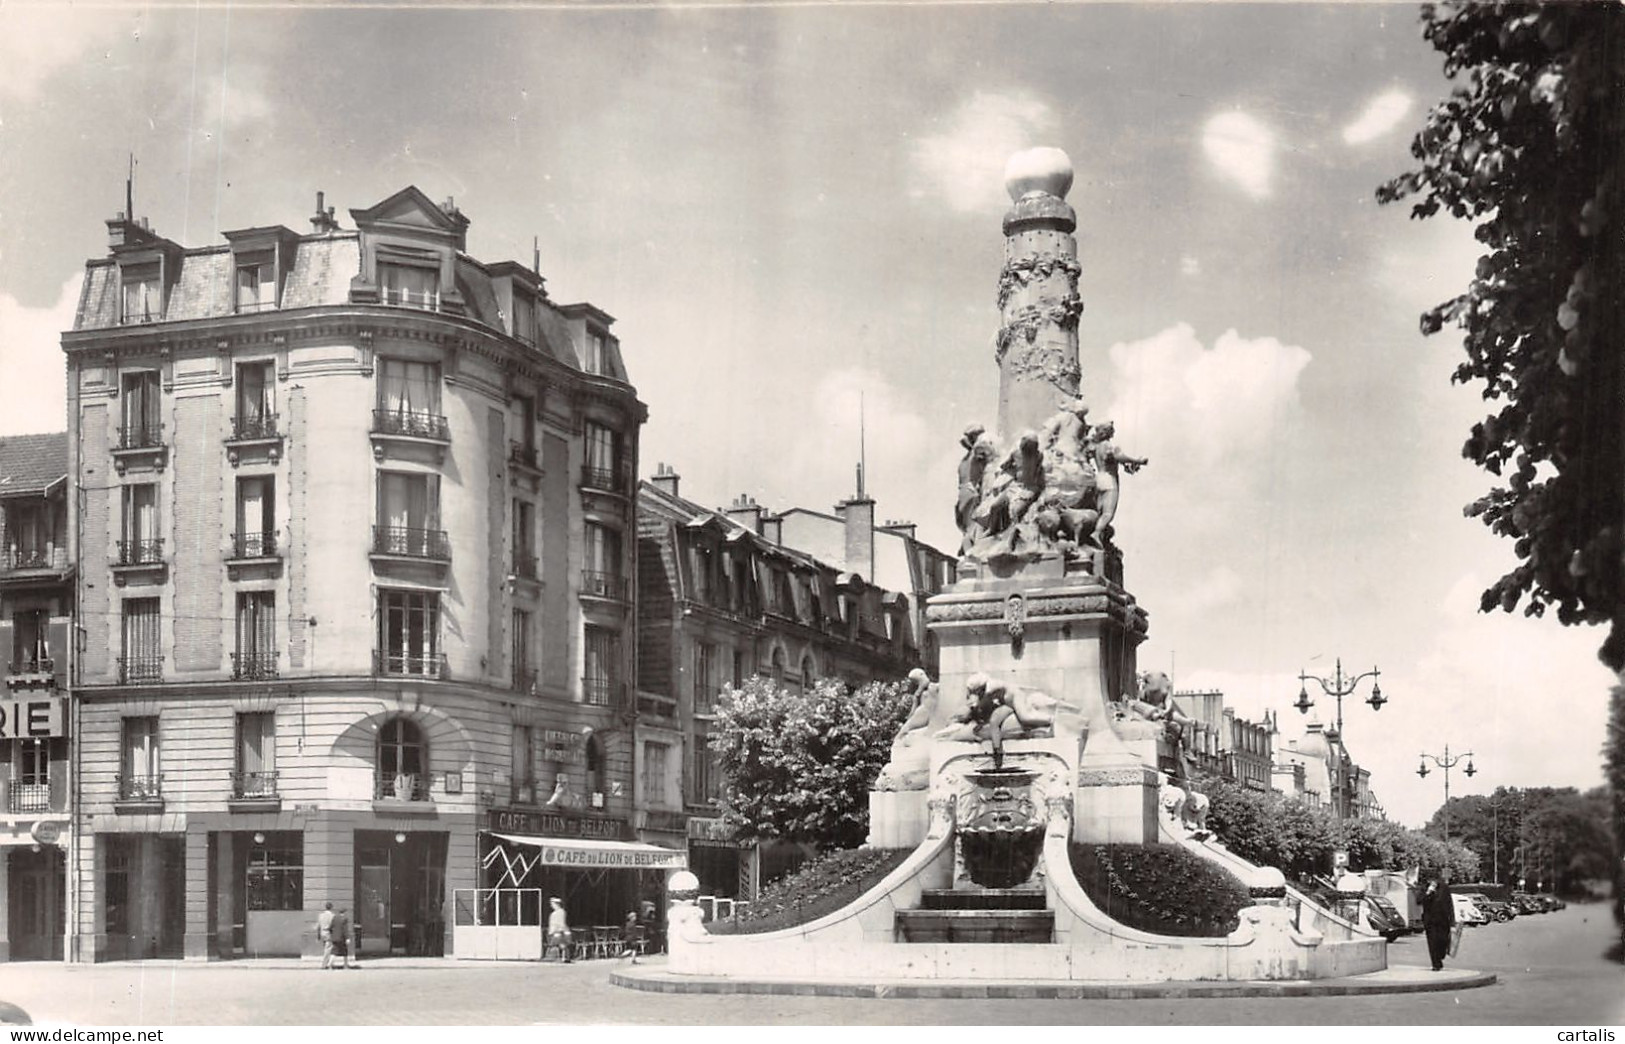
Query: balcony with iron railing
pixel 400 786
pixel 430 545
pixel 525 566
pixel 596 584
pixel 248 786
pixel 406 297
pixel 256 544
pixel 610 479
pixel 29 797
pixel 140 792
pixel 140 437
pixel 523 455
pixel 410 424
pixel 140 670
pixel 30 667
pixel 35 560
pixel 254 428
pixel 409 665
pixel 601 692
pixel 136 553
pixel 253 666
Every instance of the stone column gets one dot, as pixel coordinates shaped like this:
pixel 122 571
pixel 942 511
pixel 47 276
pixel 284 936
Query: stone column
pixel 1037 347
pixel 196 942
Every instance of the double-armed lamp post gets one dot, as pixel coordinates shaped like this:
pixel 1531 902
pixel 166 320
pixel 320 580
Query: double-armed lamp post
pixel 1447 762
pixel 1338 686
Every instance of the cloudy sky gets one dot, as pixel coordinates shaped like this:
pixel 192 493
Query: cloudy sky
pixel 791 207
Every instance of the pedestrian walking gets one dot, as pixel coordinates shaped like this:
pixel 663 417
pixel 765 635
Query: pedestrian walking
pixel 340 931
pixel 631 936
pixel 558 929
pixel 324 934
pixel 1438 918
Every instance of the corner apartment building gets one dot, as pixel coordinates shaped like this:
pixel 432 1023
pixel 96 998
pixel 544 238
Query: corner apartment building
pixel 725 595
pixel 1224 745
pixel 36 618
pixel 354 590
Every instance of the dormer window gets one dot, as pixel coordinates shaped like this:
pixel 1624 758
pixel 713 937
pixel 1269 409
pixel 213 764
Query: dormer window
pixel 524 319
pixel 595 361
pixel 256 284
pixel 415 286
pixel 143 294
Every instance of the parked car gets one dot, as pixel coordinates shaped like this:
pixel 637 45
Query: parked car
pixel 1384 917
pixel 1493 909
pixel 1556 903
pixel 1529 904
pixel 1467 911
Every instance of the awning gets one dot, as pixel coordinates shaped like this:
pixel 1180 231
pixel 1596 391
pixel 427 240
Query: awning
pixel 586 853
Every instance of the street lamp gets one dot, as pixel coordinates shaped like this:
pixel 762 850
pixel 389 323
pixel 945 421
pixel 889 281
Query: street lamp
pixel 1447 763
pixel 1339 686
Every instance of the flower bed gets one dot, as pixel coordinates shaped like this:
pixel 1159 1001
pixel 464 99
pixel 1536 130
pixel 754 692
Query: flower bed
pixel 1160 888
pixel 821 886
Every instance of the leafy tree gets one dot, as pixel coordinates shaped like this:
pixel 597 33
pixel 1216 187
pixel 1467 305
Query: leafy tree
pixel 1556 836
pixel 1529 146
pixel 798 765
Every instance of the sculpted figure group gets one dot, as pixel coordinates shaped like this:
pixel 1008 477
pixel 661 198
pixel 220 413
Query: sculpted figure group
pixel 991 712
pixel 1056 490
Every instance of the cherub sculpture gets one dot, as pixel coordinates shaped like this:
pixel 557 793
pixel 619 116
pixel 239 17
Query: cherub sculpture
pixel 979 452
pixel 1106 459
pixel 995 711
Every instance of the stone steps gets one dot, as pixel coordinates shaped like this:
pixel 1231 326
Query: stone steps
pixel 981 899
pixel 975 926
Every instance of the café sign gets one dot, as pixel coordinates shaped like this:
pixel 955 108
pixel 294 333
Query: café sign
pixel 554 824
pixel 564 746
pixel 44 717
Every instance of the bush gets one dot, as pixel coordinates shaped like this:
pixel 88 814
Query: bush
pixel 822 885
pixel 1160 888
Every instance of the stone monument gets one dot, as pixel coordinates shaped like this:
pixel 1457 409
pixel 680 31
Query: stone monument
pixel 1040 605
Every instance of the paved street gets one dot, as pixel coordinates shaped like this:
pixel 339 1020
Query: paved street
pixel 1550 967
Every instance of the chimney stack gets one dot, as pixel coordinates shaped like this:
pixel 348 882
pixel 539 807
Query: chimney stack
pixel 745 511
pixel 858 512
pixel 323 221
pixel 665 479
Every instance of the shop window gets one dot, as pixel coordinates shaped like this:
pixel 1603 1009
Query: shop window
pixel 275 877
pixel 116 882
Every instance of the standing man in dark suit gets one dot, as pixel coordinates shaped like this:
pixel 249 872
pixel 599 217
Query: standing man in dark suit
pixel 1438 917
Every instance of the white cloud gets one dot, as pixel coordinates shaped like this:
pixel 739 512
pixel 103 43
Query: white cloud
pixel 35 42
pixel 1243 150
pixel 1221 586
pixel 1190 265
pixel 32 371
pixel 964 164
pixel 231 103
pixel 1382 114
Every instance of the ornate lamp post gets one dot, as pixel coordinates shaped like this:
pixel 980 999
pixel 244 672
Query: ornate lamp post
pixel 1447 762
pixel 1338 686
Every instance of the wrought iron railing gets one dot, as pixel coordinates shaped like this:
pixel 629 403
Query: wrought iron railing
pixel 32 665
pixel 603 585
pixel 262 427
pixel 409 423
pixel 259 544
pixel 600 692
pixel 520 453
pixel 431 665
pixel 141 552
pixel 40 556
pixel 253 785
pixel 402 786
pixel 148 787
pixel 30 797
pixel 600 478
pixel 140 670
pixel 253 666
pixel 140 436
pixel 429 300
pixel 411 543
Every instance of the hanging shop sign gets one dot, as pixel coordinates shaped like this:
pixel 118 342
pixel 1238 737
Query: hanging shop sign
pixel 42 718
pixel 555 824
pixel 46 832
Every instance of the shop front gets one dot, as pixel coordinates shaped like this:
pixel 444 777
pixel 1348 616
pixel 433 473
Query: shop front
pixel 589 862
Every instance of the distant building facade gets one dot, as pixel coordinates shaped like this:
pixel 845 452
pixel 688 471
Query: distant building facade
pixel 356 575
pixel 1224 745
pixel 726 595
pixel 36 636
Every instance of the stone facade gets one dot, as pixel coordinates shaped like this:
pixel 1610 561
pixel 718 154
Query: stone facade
pixel 355 574
pixel 36 628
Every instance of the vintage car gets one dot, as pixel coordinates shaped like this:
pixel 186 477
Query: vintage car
pixel 1493 909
